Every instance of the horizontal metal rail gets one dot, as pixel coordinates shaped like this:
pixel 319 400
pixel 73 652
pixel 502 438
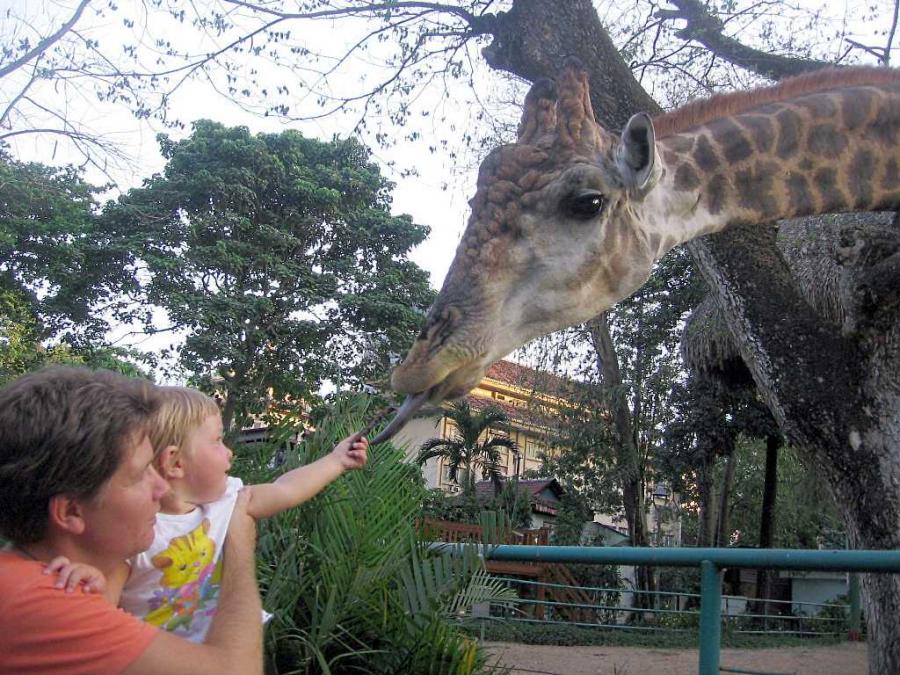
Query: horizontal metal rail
pixel 710 560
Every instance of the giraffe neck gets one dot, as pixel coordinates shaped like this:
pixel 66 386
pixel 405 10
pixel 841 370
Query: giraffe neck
pixel 819 153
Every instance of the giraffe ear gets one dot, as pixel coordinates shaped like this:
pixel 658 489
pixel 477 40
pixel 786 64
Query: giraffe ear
pixel 636 154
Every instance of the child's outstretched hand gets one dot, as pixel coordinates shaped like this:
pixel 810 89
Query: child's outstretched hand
pixel 70 575
pixel 352 452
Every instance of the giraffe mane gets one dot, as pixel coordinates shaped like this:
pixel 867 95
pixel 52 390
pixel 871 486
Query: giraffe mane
pixel 701 111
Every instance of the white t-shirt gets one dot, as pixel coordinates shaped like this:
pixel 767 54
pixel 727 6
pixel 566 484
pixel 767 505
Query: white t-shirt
pixel 175 583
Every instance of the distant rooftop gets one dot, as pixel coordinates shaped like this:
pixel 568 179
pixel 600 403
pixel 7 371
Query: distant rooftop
pixel 527 378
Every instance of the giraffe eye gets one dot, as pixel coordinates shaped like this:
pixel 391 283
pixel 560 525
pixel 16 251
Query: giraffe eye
pixel 585 205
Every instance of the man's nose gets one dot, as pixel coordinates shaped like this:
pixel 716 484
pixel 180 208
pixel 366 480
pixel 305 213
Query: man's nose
pixel 161 485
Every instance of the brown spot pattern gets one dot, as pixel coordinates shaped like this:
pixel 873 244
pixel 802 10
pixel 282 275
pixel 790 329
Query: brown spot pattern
pixel 761 131
pixel 730 137
pixel 800 198
pixel 753 187
pixel 717 193
pixel 825 140
pixel 885 128
pixel 856 105
pixel 686 178
pixel 859 177
pixel 830 195
pixel 705 155
pixel 818 105
pixel 788 133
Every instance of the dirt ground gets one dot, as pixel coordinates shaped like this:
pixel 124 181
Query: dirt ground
pixel 843 659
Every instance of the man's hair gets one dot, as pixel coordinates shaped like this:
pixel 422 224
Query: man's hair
pixel 181 410
pixel 63 431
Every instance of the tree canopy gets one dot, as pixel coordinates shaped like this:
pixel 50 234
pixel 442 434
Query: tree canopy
pixel 278 258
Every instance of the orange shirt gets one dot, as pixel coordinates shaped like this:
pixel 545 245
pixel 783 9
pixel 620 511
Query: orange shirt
pixel 46 630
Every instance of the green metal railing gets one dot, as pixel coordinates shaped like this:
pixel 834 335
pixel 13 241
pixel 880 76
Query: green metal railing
pixel 711 562
pixel 801 619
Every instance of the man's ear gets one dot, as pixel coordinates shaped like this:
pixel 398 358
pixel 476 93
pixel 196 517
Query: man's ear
pixel 170 462
pixel 66 514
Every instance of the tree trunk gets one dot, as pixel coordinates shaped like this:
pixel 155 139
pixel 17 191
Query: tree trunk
pixel 723 534
pixel 627 456
pixel 835 394
pixel 767 519
pixel 707 488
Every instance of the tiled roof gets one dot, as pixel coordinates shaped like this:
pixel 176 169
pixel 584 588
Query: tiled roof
pixel 521 414
pixel 484 491
pixel 525 377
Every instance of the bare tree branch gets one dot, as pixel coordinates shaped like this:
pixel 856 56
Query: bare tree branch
pixel 708 30
pixel 46 43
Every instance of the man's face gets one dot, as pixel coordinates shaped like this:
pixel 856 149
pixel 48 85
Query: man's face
pixel 119 520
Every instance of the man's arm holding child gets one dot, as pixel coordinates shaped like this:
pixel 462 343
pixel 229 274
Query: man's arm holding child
pixel 305 482
pixel 234 642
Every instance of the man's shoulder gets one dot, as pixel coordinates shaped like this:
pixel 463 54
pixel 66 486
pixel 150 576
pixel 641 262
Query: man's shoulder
pixel 20 576
pixel 28 595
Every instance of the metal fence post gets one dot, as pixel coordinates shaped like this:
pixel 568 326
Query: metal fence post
pixel 855 624
pixel 710 617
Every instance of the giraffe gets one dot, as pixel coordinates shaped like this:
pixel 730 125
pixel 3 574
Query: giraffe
pixel 570 218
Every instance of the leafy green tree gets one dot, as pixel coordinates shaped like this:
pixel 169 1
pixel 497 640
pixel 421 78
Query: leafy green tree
pixel 23 349
pixel 278 257
pixel 807 513
pixel 471 447
pixel 57 264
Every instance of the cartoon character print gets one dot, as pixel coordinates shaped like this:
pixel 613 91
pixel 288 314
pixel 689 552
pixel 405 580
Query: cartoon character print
pixel 190 580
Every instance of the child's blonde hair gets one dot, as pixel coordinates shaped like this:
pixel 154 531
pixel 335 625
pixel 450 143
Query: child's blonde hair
pixel 181 411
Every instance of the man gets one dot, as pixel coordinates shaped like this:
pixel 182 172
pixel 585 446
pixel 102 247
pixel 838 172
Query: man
pixel 77 480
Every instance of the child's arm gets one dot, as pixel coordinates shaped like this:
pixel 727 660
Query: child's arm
pixel 305 482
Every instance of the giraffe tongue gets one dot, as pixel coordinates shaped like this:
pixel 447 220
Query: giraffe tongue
pixel 406 411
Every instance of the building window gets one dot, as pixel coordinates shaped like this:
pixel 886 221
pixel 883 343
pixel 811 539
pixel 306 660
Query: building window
pixel 533 448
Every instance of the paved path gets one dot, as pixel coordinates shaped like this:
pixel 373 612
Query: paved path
pixel 842 659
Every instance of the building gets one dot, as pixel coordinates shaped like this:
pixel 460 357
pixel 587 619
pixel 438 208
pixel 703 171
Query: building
pixel 520 393
pixel 530 398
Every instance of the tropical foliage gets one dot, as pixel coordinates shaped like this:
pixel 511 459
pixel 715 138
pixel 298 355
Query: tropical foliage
pixel 352 587
pixel 471 447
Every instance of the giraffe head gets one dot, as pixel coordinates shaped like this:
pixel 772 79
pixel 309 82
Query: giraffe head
pixel 553 239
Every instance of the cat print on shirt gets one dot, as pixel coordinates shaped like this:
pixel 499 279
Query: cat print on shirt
pixel 190 580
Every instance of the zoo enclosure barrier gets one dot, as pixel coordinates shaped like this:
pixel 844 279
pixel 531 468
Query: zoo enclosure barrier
pixel 711 562
pixel 607 608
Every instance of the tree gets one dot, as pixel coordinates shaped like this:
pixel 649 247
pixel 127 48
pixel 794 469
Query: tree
pixel 627 366
pixel 279 259
pixel 55 256
pixel 808 515
pixel 471 447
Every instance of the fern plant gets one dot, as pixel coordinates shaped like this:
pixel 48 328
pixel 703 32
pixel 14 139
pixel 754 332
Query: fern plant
pixel 352 587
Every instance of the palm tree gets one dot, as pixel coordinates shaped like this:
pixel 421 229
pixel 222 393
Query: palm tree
pixel 466 450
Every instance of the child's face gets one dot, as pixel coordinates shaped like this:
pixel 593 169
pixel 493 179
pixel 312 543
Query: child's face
pixel 206 461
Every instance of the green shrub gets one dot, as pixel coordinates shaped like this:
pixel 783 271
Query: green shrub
pixel 351 587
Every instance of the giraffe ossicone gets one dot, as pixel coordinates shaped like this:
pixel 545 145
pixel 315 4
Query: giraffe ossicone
pixel 570 219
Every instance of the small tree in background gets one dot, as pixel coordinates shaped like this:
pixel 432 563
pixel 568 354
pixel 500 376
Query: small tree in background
pixel 472 447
